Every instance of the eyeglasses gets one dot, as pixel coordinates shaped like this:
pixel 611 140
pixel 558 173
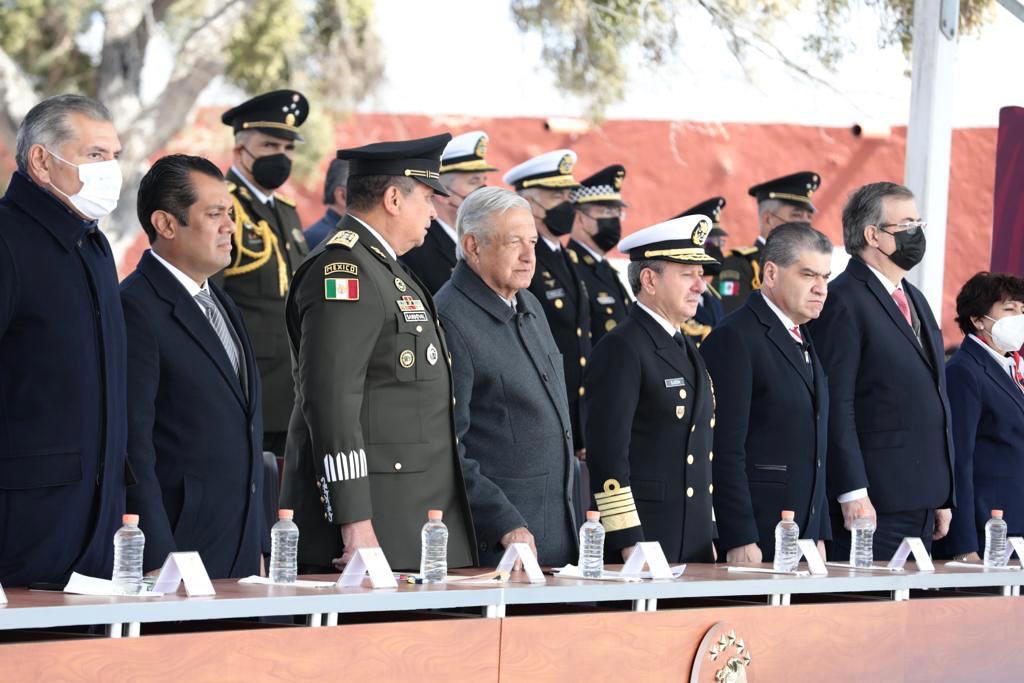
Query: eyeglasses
pixel 910 227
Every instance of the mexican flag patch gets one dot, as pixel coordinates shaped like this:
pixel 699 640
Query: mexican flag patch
pixel 727 288
pixel 341 289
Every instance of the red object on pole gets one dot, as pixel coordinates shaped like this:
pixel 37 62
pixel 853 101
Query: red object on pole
pixel 1008 204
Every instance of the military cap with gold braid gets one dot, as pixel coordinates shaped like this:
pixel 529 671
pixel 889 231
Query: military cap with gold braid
pixel 278 113
pixel 419 159
pixel 604 187
pixel 680 240
pixel 552 170
pixel 797 188
pixel 465 154
pixel 712 208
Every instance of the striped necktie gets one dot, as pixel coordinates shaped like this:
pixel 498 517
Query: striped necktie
pixel 205 300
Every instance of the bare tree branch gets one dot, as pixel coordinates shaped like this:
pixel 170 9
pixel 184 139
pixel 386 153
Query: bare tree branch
pixel 17 96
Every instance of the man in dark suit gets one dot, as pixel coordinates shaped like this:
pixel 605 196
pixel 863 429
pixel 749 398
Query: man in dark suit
pixel 268 244
pixel 890 451
pixel 710 311
pixel 546 181
pixel 193 390
pixel 596 230
pixel 771 430
pixel 651 408
pixel 62 349
pixel 463 170
pixel 334 200
pixel 511 412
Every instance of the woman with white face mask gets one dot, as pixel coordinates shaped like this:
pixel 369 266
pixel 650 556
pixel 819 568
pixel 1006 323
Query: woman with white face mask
pixel 986 398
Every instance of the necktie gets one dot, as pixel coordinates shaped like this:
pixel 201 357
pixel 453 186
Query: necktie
pixel 795 331
pixel 213 315
pixel 1017 376
pixel 901 302
pixel 678 338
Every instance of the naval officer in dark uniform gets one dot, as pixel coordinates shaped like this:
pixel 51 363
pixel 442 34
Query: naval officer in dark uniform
pixel 652 406
pixel 596 230
pixel 268 241
pixel 464 168
pixel 780 200
pixel 710 310
pixel 372 444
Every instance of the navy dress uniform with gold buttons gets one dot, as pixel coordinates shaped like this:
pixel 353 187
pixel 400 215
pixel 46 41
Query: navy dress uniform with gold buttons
pixel 557 285
pixel 608 296
pixel 434 260
pixel 267 246
pixel 651 419
pixel 710 312
pixel 372 434
pixel 741 270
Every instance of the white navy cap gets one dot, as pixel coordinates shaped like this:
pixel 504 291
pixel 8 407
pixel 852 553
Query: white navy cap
pixel 680 240
pixel 551 169
pixel 465 154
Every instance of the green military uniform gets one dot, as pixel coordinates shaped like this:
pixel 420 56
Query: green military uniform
pixel 372 434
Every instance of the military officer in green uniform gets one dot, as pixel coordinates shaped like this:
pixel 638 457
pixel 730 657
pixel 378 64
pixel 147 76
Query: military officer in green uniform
pixel 371 445
pixel 596 230
pixel 268 244
pixel 780 200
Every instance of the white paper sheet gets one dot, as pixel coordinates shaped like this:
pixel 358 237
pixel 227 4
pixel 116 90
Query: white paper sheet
pixel 299 583
pixel 79 584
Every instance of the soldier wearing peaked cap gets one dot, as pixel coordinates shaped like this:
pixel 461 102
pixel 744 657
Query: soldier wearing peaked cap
pixel 268 244
pixel 596 230
pixel 710 310
pixel 651 403
pixel 781 200
pixel 371 445
pixel 546 181
pixel 464 168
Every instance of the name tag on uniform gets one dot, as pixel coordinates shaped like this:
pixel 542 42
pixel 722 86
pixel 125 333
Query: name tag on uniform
pixel 605 299
pixel 415 317
pixel 675 382
pixel 555 294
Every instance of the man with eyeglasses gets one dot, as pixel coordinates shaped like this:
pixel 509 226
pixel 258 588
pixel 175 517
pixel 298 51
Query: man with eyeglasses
pixel 596 229
pixel 780 200
pixel 890 449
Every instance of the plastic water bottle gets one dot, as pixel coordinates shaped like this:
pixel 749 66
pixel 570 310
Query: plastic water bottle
pixel 284 548
pixel 129 544
pixel 434 549
pixel 787 552
pixel 592 546
pixel 995 541
pixel 862 545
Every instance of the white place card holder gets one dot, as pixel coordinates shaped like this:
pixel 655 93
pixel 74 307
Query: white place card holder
pixel 526 557
pixel 815 564
pixel 1016 544
pixel 368 561
pixel 184 568
pixel 912 545
pixel 3 598
pixel 647 553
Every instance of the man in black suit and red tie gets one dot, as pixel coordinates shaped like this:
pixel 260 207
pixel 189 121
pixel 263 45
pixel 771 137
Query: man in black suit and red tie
pixel 890 450
pixel 771 425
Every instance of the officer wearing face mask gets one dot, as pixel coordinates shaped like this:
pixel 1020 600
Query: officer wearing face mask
pixel 710 310
pixel 268 244
pixel 596 231
pixel 546 181
pixel 63 423
pixel 463 169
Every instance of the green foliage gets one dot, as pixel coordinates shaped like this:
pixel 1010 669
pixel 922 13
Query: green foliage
pixel 265 48
pixel 40 35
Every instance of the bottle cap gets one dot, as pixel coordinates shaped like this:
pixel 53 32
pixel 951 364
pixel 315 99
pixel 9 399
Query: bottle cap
pixel 434 515
pixel 998 514
pixel 593 516
pixel 788 515
pixel 285 513
pixel 129 519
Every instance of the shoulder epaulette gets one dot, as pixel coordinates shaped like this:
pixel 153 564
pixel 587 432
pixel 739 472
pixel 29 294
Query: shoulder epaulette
pixel 231 185
pixel 572 255
pixel 345 238
pixel 745 251
pixel 284 200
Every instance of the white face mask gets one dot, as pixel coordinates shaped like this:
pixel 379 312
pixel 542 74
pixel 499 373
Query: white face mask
pixel 101 187
pixel 1008 333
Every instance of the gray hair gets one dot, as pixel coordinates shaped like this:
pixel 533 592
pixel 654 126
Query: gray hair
pixel 477 210
pixel 634 269
pixel 768 206
pixel 243 137
pixel 337 176
pixel 47 124
pixel 784 245
pixel 864 208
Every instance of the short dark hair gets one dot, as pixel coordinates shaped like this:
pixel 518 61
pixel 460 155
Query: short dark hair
pixel 786 241
pixel 983 291
pixel 363 192
pixel 337 176
pixel 864 208
pixel 168 186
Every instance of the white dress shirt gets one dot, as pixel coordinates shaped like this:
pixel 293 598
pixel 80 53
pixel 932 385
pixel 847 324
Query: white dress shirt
pixel 188 283
pixel 260 197
pixel 555 245
pixel 380 239
pixel 449 230
pixel 669 328
pixel 597 257
pixel 1005 362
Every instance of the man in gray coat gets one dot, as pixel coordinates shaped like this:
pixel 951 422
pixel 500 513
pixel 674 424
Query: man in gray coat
pixel 511 411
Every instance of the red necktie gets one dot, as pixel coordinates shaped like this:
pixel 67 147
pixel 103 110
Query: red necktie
pixel 1017 377
pixel 901 302
pixel 795 331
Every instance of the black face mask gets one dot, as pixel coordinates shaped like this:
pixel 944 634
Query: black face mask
pixel 609 232
pixel 715 253
pixel 271 171
pixel 559 219
pixel 909 249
